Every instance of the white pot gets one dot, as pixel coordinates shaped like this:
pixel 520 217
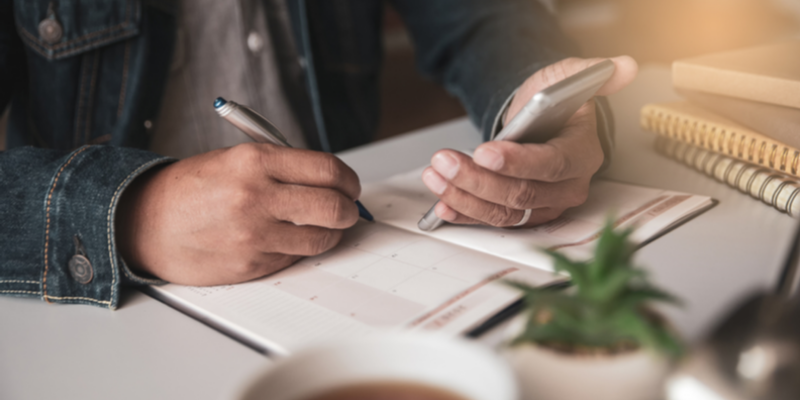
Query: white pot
pixel 545 374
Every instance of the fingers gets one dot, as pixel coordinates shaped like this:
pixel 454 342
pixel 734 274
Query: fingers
pixel 453 168
pixel 576 152
pixel 508 210
pixel 304 205
pixel 537 217
pixel 298 166
pixel 284 238
pixel 624 73
pixel 301 240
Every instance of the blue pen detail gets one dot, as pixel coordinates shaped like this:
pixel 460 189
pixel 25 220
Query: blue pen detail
pixel 219 102
pixel 363 213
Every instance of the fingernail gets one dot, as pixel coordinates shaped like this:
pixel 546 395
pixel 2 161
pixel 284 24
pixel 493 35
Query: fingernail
pixel 445 164
pixel 489 158
pixel 434 182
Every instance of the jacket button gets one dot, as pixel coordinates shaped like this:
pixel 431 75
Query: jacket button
pixel 81 269
pixel 50 30
pixel 254 42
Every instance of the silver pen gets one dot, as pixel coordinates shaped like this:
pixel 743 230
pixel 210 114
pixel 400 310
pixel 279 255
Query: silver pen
pixel 250 122
pixel 262 131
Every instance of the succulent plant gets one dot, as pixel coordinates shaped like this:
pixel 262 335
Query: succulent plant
pixel 606 309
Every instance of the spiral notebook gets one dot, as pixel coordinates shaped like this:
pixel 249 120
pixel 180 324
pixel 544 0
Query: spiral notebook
pixel 388 275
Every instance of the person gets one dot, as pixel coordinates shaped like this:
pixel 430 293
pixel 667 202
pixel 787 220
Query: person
pixel 87 210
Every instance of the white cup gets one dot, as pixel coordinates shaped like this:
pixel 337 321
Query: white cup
pixel 455 365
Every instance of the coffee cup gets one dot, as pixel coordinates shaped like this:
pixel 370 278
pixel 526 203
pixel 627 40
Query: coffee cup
pixel 385 364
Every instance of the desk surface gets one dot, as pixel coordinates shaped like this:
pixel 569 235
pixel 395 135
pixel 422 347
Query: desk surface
pixel 148 350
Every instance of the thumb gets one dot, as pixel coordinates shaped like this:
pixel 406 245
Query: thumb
pixel 624 73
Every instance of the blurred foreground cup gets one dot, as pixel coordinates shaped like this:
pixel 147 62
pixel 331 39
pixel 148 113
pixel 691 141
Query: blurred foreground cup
pixel 387 367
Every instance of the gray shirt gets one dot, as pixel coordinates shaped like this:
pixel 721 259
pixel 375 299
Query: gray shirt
pixel 222 49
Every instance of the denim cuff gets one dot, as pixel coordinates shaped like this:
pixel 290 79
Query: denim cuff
pixel 78 261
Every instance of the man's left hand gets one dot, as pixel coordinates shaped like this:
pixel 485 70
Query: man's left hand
pixel 503 179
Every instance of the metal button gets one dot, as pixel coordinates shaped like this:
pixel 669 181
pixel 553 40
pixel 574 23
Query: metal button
pixel 79 266
pixel 50 30
pixel 148 124
pixel 81 269
pixel 254 42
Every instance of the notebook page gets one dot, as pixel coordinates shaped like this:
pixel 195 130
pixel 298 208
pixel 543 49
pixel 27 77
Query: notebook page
pixel 378 278
pixel 403 199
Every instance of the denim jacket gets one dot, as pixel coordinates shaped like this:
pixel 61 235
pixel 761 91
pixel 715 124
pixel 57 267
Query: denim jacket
pixel 83 77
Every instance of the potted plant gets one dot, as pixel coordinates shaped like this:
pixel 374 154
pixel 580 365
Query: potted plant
pixel 598 339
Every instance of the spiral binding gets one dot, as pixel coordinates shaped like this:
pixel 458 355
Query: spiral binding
pixel 771 187
pixel 734 142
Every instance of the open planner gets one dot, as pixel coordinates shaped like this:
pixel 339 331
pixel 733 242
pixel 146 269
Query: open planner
pixel 389 275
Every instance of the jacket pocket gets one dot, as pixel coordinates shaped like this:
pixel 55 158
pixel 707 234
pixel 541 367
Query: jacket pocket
pixel 59 29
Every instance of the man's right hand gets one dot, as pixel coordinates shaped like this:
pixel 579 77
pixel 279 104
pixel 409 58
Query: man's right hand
pixel 235 214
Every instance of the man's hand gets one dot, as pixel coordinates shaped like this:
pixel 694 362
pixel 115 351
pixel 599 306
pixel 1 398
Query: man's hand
pixel 505 178
pixel 235 214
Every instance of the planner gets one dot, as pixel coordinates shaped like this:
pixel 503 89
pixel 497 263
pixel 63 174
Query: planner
pixel 388 275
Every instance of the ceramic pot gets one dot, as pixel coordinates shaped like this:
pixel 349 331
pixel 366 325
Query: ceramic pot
pixel 545 374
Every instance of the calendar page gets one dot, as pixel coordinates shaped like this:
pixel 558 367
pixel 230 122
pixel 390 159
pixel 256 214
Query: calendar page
pixel 402 200
pixel 377 278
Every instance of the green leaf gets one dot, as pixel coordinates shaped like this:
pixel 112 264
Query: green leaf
pixel 604 307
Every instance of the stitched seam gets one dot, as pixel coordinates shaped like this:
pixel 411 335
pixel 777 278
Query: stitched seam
pixel 109 223
pixel 77 39
pixel 79 113
pixel 77 298
pixel 93 44
pixel 124 77
pixel 19 281
pixel 20 291
pixel 47 213
pixel 100 139
pixel 34 43
pixel 90 106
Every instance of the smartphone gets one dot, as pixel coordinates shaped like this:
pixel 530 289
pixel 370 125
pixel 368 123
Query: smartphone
pixel 545 115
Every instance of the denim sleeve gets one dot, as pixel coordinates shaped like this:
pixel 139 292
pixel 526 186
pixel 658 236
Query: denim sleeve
pixel 481 51
pixel 57 222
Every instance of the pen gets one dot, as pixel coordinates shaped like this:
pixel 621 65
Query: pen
pixel 262 131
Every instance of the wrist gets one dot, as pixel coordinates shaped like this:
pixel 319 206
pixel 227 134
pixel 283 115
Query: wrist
pixel 130 219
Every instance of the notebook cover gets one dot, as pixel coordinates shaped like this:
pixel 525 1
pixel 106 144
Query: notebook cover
pixel 778 122
pixel 769 74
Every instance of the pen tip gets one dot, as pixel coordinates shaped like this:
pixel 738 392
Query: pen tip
pixel 219 102
pixel 363 213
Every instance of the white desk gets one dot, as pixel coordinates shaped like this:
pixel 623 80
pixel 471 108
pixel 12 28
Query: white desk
pixel 147 350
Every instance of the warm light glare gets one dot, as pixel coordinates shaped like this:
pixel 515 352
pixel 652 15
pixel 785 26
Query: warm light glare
pixel 684 387
pixel 756 363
